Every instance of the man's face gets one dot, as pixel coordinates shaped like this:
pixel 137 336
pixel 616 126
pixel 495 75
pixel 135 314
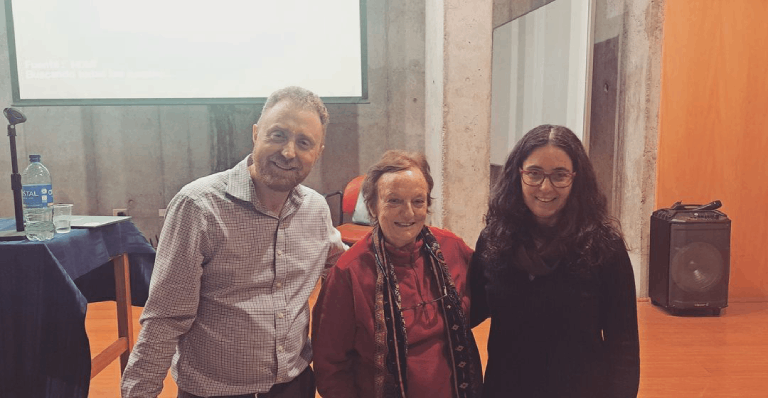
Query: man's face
pixel 286 144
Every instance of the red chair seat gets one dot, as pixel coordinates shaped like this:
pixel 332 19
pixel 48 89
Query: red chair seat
pixel 351 233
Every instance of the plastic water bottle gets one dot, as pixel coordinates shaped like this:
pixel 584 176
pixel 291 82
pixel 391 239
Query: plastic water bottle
pixel 38 201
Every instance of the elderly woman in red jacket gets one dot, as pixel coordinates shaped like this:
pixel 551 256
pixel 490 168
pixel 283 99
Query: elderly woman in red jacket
pixel 392 318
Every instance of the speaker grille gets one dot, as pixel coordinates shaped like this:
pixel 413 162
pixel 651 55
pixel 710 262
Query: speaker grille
pixel 697 267
pixel 689 260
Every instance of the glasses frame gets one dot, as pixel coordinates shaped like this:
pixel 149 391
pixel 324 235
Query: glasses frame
pixel 425 303
pixel 548 176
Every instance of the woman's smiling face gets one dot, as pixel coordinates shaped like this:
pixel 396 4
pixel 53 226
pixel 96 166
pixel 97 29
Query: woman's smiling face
pixel 546 201
pixel 401 208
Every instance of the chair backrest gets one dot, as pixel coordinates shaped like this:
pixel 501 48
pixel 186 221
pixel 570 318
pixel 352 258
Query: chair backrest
pixel 351 203
pixel 351 192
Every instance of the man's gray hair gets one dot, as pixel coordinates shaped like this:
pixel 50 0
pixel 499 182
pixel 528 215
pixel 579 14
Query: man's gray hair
pixel 301 97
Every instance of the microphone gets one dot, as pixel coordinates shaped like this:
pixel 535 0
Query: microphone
pixel 715 204
pixel 14 117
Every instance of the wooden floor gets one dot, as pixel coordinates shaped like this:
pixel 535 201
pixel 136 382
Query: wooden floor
pixel 703 357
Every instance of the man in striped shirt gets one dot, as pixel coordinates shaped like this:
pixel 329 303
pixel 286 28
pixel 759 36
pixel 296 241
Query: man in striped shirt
pixel 239 255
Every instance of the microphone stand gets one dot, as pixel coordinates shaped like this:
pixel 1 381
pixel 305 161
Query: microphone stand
pixel 15 117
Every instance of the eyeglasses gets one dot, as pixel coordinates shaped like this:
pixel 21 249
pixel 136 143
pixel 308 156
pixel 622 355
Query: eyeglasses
pixel 559 178
pixel 425 303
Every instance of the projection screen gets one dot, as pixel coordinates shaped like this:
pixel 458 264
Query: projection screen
pixel 107 52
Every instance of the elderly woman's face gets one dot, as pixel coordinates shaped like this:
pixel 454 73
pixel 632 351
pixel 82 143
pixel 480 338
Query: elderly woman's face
pixel 401 208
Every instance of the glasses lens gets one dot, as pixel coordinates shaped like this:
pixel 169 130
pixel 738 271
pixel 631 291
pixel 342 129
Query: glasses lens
pixel 561 179
pixel 533 177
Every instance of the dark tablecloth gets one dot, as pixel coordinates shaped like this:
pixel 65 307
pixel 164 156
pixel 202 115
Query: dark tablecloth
pixel 44 291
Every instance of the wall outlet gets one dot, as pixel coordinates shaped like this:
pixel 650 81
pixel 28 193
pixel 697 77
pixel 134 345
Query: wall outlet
pixel 119 212
pixel 161 213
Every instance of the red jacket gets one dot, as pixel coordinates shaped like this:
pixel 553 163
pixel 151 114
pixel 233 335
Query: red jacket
pixel 343 320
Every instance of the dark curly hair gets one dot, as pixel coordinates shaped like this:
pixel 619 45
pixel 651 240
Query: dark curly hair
pixel 583 226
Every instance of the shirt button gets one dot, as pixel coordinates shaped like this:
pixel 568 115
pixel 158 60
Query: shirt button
pixel 278 285
pixel 280 348
pixel 280 315
pixel 279 252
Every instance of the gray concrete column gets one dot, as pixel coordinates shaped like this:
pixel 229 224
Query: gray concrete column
pixel 458 112
pixel 638 128
pixel 626 94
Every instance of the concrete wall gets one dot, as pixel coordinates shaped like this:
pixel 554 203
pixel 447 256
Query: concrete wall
pixel 137 157
pixel 624 113
pixel 637 121
pixel 539 73
pixel 624 117
pixel 104 158
pixel 507 10
pixel 459 50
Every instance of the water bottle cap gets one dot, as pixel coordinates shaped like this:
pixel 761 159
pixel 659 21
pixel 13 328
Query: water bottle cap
pixel 34 158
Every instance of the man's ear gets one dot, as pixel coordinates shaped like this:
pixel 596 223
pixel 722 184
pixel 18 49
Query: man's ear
pixel 255 132
pixel 322 147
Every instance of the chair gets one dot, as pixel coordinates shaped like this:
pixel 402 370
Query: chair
pixel 351 202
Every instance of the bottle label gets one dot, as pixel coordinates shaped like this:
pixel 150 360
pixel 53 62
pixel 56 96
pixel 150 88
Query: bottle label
pixel 37 195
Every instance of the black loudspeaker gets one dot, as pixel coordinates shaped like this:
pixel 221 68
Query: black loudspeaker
pixel 690 259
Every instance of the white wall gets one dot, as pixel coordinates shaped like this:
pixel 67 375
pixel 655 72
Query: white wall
pixel 539 73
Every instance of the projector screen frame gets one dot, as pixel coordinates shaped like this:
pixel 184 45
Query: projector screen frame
pixel 19 102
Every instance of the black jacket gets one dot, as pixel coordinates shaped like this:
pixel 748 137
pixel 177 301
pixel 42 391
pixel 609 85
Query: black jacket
pixel 567 334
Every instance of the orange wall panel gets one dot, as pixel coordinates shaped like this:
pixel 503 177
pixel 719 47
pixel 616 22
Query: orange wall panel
pixel 713 124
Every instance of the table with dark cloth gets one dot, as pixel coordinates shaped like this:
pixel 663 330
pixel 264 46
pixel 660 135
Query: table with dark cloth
pixel 44 291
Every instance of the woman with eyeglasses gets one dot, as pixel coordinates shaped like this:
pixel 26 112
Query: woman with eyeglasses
pixel 392 317
pixel 552 272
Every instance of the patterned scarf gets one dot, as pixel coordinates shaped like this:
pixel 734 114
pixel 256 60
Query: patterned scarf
pixel 390 336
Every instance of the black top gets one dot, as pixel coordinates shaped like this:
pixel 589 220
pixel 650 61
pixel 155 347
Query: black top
pixel 571 333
